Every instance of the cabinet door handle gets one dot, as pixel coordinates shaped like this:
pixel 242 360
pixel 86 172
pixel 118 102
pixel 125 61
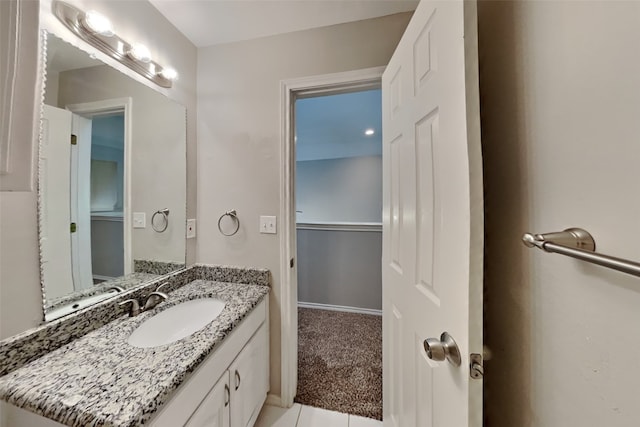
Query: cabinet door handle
pixel 237 379
pixel 227 395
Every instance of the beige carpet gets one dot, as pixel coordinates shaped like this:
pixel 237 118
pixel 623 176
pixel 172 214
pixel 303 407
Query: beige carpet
pixel 340 361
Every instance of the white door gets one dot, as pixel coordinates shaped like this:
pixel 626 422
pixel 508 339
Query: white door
pixel 432 219
pixel 55 221
pixel 81 203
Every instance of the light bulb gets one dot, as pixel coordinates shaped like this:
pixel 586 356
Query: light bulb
pixel 98 23
pixel 169 74
pixel 369 132
pixel 140 52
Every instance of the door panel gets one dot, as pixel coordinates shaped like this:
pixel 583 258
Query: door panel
pixel 426 134
pixel 393 376
pixel 214 409
pixel 432 218
pixel 249 379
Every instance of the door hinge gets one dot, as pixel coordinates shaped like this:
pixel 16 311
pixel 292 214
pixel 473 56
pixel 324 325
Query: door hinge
pixel 74 139
pixel 291 263
pixel 73 227
pixel 476 369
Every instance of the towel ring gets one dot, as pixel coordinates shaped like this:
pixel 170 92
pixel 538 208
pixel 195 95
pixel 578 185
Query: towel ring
pixel 165 217
pixel 234 215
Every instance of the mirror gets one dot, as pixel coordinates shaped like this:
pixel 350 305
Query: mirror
pixel 112 181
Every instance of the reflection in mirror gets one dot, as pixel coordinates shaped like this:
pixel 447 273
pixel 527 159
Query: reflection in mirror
pixel 112 154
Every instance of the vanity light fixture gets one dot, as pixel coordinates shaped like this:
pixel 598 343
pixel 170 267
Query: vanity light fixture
pixel 96 29
pixel 97 23
pixel 140 52
pixel 169 74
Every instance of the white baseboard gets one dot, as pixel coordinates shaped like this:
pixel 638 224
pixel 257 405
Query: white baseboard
pixel 340 308
pixel 274 400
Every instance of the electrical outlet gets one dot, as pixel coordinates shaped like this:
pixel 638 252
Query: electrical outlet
pixel 191 228
pixel 139 220
pixel 268 224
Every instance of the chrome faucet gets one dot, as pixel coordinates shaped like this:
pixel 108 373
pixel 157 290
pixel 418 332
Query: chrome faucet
pixel 135 306
pixel 153 299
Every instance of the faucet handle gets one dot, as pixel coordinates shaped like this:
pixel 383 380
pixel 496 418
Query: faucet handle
pixel 162 295
pixel 153 299
pixel 135 306
pixel 162 286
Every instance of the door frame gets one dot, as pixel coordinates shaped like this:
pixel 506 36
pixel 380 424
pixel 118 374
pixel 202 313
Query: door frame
pixel 107 106
pixel 290 90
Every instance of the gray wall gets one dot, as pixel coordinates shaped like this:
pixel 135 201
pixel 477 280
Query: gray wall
pixel 338 267
pixel 107 253
pixel 239 134
pixel 343 190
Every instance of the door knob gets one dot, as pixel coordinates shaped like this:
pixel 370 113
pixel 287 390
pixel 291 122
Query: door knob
pixel 443 348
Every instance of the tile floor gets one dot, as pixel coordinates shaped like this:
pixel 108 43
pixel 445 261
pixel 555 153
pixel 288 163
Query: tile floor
pixel 307 416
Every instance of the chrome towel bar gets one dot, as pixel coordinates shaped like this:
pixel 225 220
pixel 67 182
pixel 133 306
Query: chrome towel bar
pixel 578 243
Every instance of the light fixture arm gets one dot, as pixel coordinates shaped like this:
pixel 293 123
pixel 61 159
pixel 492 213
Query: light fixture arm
pixel 112 45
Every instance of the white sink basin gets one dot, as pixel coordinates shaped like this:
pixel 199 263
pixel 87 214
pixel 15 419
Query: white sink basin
pixel 176 322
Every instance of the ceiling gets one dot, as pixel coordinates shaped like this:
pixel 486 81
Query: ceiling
pixel 333 127
pixel 209 22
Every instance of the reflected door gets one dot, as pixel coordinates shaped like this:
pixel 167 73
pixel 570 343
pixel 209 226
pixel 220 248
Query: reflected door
pixel 81 203
pixel 55 224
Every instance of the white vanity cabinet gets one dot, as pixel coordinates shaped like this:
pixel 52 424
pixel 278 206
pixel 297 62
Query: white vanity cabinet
pixel 237 397
pixel 249 380
pixel 239 372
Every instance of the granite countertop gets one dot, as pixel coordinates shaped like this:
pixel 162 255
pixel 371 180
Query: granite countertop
pixel 100 380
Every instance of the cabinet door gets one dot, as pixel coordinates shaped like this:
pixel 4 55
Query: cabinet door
pixel 249 380
pixel 214 409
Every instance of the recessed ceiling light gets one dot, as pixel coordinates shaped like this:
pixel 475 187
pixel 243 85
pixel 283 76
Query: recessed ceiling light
pixel 369 132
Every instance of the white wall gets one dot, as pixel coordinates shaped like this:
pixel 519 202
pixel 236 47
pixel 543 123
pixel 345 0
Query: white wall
pixel 560 91
pixel 339 190
pixel 239 134
pixel 20 300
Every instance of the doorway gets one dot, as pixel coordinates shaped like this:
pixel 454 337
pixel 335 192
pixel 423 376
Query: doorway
pixel 105 177
pixel 107 197
pixel 338 189
pixel 294 91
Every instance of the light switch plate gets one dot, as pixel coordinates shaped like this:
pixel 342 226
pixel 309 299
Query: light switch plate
pixel 268 224
pixel 139 220
pixel 191 228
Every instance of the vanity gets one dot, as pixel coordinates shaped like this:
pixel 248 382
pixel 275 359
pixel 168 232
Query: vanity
pixel 217 376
